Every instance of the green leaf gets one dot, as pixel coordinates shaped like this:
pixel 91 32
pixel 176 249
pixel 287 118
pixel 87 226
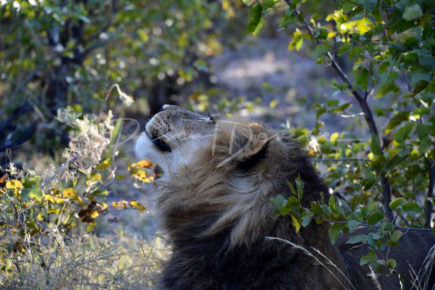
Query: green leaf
pixel 403 133
pixel 383 67
pixel 397 120
pixel 411 207
pixel 299 187
pixel 341 108
pixel 255 20
pixel 352 225
pixel 388 84
pixel 387 226
pixel 375 147
pixel 115 135
pixel 394 161
pixel 391 263
pixel 335 231
pixel 289 18
pixel 320 112
pixel 357 239
pixel 375 218
pixel 292 188
pixel 395 236
pixel 425 144
pixel 369 5
pixel 397 203
pixel 412 12
pixel 417 76
pixel 306 219
pixel 320 33
pixel 361 75
pixel 424 130
pixel 33 192
pixel 333 103
pixel 370 257
pixel 332 204
pixel 278 201
pixel 248 2
pixel 322 48
pixel 291 205
pixel 266 4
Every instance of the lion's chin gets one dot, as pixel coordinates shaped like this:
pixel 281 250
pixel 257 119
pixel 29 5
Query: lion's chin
pixel 144 149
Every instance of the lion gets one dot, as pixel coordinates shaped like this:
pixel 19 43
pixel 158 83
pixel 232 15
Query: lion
pixel 214 201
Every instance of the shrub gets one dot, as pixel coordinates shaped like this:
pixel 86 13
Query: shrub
pixel 385 177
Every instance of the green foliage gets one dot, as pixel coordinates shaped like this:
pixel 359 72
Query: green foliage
pixel 389 45
pixel 58 53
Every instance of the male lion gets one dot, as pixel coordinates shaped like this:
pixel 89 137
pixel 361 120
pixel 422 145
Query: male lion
pixel 218 178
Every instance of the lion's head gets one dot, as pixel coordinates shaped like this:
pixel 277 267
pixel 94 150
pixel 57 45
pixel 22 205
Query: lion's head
pixel 220 174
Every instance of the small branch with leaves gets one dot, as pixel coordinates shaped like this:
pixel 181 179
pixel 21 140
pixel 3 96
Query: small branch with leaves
pixel 363 103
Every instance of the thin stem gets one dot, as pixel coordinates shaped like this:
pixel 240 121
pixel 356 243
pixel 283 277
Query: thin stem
pixel 368 114
pixel 340 159
pixel 428 204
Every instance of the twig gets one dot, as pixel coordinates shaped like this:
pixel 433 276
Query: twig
pixel 368 114
pixel 340 159
pixel 428 204
pixel 6 222
pixel 14 209
pixel 58 171
pixel 376 227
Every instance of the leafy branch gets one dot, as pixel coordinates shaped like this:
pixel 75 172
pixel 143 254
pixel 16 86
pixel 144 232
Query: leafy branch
pixel 363 103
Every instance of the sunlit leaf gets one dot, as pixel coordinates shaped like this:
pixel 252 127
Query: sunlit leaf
pixel 142 164
pixel 14 184
pixel 104 164
pixel 137 205
pixel 70 193
pixel 94 214
pixel 296 224
pixel 121 203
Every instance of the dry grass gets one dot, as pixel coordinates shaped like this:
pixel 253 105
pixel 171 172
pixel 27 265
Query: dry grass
pixel 422 278
pixel 88 263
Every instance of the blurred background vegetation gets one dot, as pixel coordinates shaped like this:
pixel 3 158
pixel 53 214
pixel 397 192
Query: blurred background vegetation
pixel 272 61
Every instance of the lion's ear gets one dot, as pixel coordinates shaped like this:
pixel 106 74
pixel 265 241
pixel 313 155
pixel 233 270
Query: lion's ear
pixel 247 140
pixel 255 142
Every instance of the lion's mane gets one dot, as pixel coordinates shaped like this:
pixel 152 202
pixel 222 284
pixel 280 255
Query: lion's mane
pixel 217 213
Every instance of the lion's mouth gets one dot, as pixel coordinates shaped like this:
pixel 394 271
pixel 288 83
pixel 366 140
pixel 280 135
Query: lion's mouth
pixel 159 143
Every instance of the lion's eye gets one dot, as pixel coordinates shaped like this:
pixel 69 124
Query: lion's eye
pixel 212 119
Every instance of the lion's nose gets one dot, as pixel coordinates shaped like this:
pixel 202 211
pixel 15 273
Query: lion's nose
pixel 164 108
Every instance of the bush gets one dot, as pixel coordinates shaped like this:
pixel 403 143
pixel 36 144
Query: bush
pixel 389 46
pixel 39 213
